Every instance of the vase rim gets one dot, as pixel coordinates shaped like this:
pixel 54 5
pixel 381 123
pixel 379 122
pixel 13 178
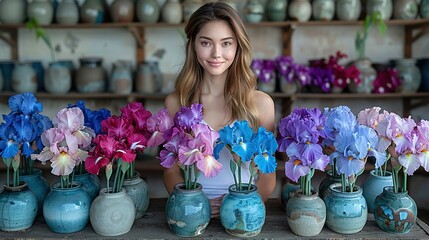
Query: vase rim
pixel 181 187
pixel 335 189
pixel 104 191
pixel 389 189
pixel 232 188
pixel 299 194
pixel 388 174
pixel 21 186
pixel 74 185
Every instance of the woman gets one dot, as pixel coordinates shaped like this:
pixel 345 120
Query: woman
pixel 217 74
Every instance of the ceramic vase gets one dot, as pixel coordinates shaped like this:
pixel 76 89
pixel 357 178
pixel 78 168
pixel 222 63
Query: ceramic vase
pixel 1 81
pixel 189 7
pixel 138 190
pixel 367 77
pixel 38 185
pixel 90 183
pixel 346 212
pixel 424 9
pixel 66 210
pixel 172 12
pixel 90 77
pixel 41 10
pixel 287 190
pixel 253 11
pixel 149 78
pixel 385 7
pixel 323 10
pixel 348 10
pixel 67 12
pixel 305 214
pixel 18 208
pixel 405 9
pixel 409 74
pixel 112 214
pixel 148 11
pixel 57 79
pixel 395 212
pixel 121 80
pixel 24 78
pixel 288 87
pixel 299 10
pixel 242 213
pixel 276 10
pixel 122 11
pixel 373 186
pixel 40 73
pixel 423 65
pixel 92 11
pixel 6 69
pixel 326 182
pixel 12 11
pixel 187 211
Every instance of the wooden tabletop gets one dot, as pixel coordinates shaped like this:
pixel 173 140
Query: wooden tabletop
pixel 153 226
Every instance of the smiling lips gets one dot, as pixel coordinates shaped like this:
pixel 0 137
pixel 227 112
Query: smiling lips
pixel 214 64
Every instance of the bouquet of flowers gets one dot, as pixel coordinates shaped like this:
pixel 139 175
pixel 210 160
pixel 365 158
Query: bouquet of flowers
pixel 20 134
pixel 301 134
pixel 66 144
pixel 247 146
pixel 186 141
pixel 290 71
pixel 408 145
pixel 120 139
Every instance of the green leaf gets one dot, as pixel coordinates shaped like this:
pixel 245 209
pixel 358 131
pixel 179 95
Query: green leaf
pixel 7 161
pixel 233 166
pixel 125 166
pixel 15 163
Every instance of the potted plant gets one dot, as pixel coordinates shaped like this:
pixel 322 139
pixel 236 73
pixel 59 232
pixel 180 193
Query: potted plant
pixel 65 146
pixel 20 136
pixel 301 135
pixel 368 73
pixel 187 142
pixel 252 150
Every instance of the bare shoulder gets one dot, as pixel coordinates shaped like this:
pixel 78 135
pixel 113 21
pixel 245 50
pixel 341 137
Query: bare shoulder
pixel 265 106
pixel 172 103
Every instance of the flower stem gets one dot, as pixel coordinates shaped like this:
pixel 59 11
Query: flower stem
pixel 343 183
pixel 239 176
pixel 118 169
pixel 404 187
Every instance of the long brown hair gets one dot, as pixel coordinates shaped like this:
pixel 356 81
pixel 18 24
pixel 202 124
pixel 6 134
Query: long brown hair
pixel 240 78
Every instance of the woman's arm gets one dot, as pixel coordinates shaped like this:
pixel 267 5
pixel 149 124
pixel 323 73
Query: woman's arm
pixel 173 175
pixel 265 107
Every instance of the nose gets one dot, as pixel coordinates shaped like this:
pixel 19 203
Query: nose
pixel 216 51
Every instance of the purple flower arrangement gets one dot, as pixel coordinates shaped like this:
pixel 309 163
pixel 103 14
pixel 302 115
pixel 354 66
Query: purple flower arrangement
pixel 387 81
pixel 265 69
pixel 290 71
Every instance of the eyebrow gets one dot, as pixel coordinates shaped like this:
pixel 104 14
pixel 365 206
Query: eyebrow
pixel 223 39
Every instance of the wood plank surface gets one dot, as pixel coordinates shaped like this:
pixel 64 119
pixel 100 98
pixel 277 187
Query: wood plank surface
pixel 153 226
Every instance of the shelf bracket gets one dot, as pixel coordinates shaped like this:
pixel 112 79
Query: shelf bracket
pixel 12 40
pixel 410 37
pixel 287 37
pixel 139 35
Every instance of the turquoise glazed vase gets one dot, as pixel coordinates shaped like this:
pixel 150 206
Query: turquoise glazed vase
pixel 287 190
pixel 373 186
pixel 326 182
pixel 38 185
pixel 66 210
pixel 90 183
pixel 395 212
pixel 138 190
pixel 242 213
pixel 18 208
pixel 187 211
pixel 305 214
pixel 346 212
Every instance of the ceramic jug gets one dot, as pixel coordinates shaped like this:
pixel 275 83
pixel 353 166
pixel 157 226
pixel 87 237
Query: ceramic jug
pixel 122 11
pixel 92 11
pixel 172 12
pixel 12 11
pixel 41 10
pixel 67 12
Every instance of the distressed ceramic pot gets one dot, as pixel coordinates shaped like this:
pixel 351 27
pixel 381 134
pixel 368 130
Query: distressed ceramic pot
pixel 138 190
pixel 242 213
pixel 373 186
pixel 187 211
pixel 38 185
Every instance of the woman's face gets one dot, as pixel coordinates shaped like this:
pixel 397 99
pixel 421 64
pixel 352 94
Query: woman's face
pixel 215 47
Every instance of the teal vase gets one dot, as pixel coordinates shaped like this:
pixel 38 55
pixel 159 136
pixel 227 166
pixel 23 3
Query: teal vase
pixel 138 190
pixel 66 210
pixel 242 213
pixel 38 185
pixel 90 183
pixel 373 186
pixel 305 214
pixel 287 190
pixel 326 182
pixel 346 212
pixel 395 212
pixel 18 208
pixel 187 211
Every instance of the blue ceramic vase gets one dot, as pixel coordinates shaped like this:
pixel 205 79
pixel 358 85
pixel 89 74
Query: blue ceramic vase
pixel 90 183
pixel 18 208
pixel 346 212
pixel 395 212
pixel 38 185
pixel 242 213
pixel 423 65
pixel 373 186
pixel 326 182
pixel 187 211
pixel 305 214
pixel 66 210
pixel 138 190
